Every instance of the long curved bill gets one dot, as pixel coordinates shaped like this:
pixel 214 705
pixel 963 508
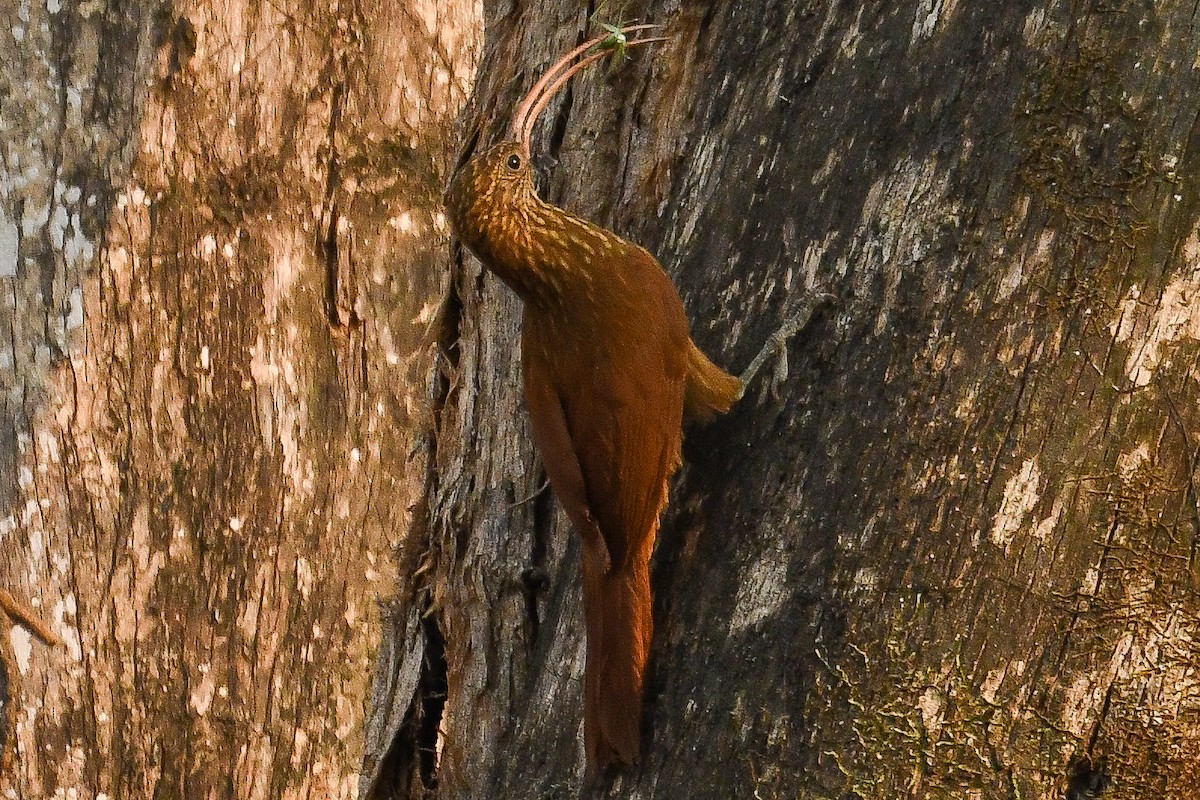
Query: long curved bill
pixel 557 76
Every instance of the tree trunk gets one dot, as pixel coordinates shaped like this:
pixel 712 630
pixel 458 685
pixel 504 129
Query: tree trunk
pixel 220 245
pixel 953 553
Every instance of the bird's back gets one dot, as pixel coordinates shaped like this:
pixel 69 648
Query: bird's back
pixel 621 379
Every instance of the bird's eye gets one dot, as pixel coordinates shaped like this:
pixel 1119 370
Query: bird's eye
pixel 514 161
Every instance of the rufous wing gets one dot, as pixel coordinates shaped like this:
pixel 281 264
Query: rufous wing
pixel 607 408
pixel 549 423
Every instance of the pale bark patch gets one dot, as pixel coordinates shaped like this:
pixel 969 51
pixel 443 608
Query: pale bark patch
pixel 932 705
pixel 1175 317
pixel 1022 267
pixel 1130 461
pixel 764 589
pixel 22 645
pixel 898 222
pixel 930 13
pixel 1021 495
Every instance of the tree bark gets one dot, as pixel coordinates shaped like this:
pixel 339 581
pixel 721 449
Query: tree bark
pixel 220 247
pixel 953 553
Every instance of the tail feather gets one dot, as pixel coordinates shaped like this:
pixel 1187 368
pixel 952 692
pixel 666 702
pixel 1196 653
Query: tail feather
pixel 709 390
pixel 617 611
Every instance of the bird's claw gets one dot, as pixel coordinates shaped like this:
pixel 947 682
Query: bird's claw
pixel 777 343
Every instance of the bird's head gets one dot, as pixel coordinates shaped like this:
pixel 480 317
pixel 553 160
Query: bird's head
pixel 490 188
pixel 494 186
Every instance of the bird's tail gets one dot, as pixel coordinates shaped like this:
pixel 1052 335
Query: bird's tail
pixel 619 619
pixel 709 389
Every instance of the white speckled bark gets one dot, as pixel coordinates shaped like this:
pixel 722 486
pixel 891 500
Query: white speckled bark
pixel 210 379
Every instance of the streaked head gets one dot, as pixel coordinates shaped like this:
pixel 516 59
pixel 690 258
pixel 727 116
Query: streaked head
pixel 488 190
pixel 488 193
pixel 502 172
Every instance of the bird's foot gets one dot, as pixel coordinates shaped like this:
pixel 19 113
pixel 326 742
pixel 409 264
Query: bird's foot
pixel 777 343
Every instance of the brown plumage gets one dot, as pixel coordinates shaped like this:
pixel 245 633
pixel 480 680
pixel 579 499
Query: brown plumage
pixel 610 373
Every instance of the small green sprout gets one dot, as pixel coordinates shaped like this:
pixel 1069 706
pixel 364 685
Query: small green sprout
pixel 616 40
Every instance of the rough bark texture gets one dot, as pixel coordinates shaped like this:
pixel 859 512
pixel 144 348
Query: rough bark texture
pixel 956 555
pixel 220 240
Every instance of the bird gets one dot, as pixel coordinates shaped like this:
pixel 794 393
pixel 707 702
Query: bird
pixel 610 375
